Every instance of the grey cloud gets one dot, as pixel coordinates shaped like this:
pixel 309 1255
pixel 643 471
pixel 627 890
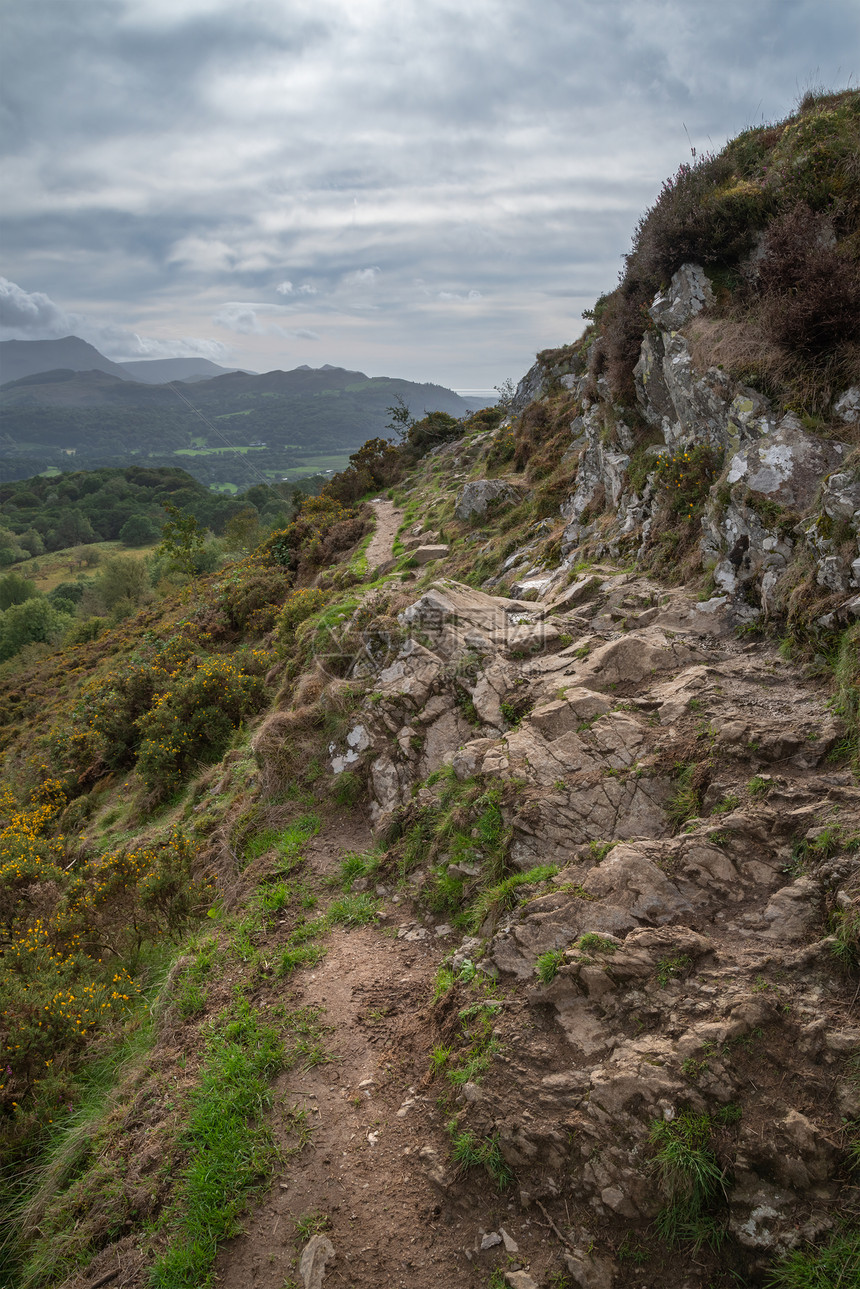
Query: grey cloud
pixel 259 320
pixel 29 314
pixel 166 157
pixel 32 315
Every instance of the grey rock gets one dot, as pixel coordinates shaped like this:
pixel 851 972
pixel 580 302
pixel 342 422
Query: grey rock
pixel 758 1211
pixel 479 495
pixel 787 466
pixel 792 911
pixel 847 406
pixel 317 1253
pixel 426 539
pixel 589 1272
pixel 509 1242
pixel 426 554
pixel 688 293
pixel 520 1280
pixel 491 1240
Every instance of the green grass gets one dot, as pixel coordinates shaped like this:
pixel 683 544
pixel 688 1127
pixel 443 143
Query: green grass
pixel 600 849
pixel 593 943
pixel 692 1180
pixel 834 1265
pixel 686 800
pixel 669 968
pixel 439 1058
pixel 845 928
pixel 292 957
pixel 356 865
pixel 354 910
pixel 311 1224
pixel 503 896
pixel 727 805
pixel 477 1036
pixel 215 452
pixel 548 965
pixel 469 1151
pixel 230 1149
pixel 443 981
pixel 70 1152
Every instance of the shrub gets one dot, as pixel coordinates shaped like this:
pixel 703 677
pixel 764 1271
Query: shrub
pixel 809 291
pixel 15 589
pixel 192 721
pixel 685 478
pixel 436 428
pixel 376 464
pixel 168 709
pixel 298 607
pixel 250 597
pixel 322 527
pixel 33 621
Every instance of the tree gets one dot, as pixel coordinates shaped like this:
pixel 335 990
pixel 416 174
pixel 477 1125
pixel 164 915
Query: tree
pixel 138 530
pixel 122 578
pixel 31 540
pixel 507 392
pixel 15 589
pixel 242 531
pixel 400 422
pixel 182 539
pixel 73 529
pixel 32 622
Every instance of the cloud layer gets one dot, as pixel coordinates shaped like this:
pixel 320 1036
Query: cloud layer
pixel 412 189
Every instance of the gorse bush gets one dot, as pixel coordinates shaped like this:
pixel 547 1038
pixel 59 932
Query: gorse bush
pixel 72 932
pixel 685 478
pixel 321 528
pixel 168 710
pixel 193 722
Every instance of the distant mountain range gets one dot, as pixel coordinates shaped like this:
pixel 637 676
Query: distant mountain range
pixel 19 358
pixel 227 428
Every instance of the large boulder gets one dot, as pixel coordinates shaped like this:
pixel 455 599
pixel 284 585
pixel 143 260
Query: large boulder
pixel 687 294
pixel 786 467
pixel 481 495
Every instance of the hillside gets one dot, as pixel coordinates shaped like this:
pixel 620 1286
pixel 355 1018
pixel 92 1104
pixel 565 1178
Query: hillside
pixel 236 428
pixel 158 371
pixel 19 358
pixel 463 888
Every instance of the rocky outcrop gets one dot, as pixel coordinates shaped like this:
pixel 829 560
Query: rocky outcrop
pixel 783 490
pixel 679 840
pixel 484 495
pixel 679 958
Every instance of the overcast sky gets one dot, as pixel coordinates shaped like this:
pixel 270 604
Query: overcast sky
pixel 422 189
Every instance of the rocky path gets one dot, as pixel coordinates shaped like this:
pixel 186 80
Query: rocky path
pixel 388 519
pixel 708 988
pixel 373 1176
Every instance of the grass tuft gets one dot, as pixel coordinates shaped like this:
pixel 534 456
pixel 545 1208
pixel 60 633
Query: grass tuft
pixel 230 1150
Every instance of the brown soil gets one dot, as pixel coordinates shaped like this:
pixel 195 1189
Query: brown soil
pixel 388 520
pixel 373 1109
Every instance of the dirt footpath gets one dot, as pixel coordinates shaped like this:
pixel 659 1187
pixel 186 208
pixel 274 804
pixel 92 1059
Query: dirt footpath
pixel 388 520
pixel 377 1132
